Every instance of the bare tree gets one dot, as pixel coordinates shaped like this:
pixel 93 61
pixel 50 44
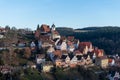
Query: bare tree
pixel 27 53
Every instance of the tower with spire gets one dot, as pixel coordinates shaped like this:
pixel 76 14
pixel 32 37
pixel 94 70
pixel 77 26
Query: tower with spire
pixel 53 27
pixel 54 33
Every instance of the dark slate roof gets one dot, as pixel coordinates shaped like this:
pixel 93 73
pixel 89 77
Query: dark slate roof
pixel 71 56
pixel 63 56
pixel 55 40
pixel 85 56
pixel 79 57
pixel 55 57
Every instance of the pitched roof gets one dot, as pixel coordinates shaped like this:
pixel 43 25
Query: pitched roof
pixel 83 44
pixel 79 57
pixel 58 53
pixel 81 49
pixel 64 51
pixel 85 56
pixel 53 25
pixel 103 57
pixel 98 51
pixel 77 52
pixel 63 38
pixel 60 42
pixel 55 32
pixel 110 60
pixel 71 56
pixel 44 37
pixel 40 55
pixel 76 41
pixel 70 38
pixel 63 56
pixel 50 49
pixel 45 28
pixel 69 43
pixel 2 29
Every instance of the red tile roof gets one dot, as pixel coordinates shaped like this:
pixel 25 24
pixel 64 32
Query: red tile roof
pixel 58 53
pixel 77 52
pixel 110 60
pixel 81 49
pixel 45 28
pixel 99 52
pixel 85 44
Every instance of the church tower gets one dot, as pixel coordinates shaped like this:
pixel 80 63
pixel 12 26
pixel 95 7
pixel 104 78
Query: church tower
pixel 53 27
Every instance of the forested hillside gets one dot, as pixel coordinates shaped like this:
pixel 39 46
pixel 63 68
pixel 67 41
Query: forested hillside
pixel 107 38
pixel 64 31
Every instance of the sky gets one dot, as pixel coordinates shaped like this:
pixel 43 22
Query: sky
pixel 63 13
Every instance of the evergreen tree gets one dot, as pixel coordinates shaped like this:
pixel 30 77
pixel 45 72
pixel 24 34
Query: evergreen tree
pixel 38 27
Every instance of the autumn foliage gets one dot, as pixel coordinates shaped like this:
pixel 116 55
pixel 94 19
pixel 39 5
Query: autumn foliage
pixel 27 52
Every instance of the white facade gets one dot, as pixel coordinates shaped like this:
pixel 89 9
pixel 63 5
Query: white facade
pixel 74 60
pixel 63 46
pixel 1 36
pixel 39 44
pixel 67 60
pixel 50 50
pixel 76 44
pixel 39 60
pixel 112 63
pixel 86 50
pixel 32 44
pixel 47 68
pixel 71 48
pixel 58 47
pixel 94 55
pixel 54 36
pixel 90 48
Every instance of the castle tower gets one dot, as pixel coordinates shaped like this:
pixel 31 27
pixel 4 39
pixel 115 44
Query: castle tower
pixel 53 27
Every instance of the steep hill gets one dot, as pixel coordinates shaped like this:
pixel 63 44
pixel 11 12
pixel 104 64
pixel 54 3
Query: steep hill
pixel 107 38
pixel 64 31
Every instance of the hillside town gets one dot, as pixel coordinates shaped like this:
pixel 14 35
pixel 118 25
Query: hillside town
pixel 68 51
pixel 50 50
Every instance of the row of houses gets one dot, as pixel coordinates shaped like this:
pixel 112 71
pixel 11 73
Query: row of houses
pixel 67 51
pixel 2 32
pixel 64 51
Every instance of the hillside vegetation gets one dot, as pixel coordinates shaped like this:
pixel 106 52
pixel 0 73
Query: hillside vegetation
pixel 107 38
